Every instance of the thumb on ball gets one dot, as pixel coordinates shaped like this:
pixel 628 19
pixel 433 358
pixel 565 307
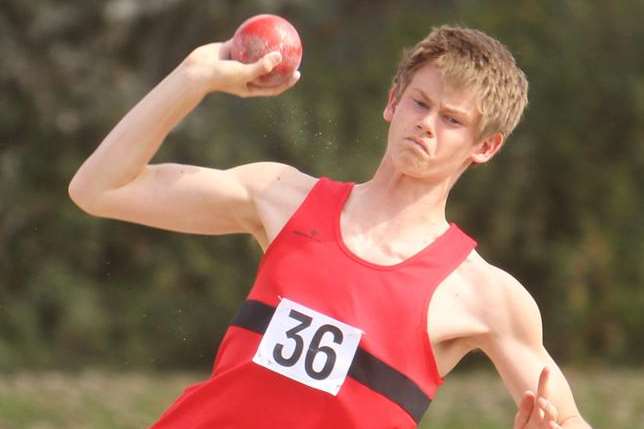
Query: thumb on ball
pixel 266 64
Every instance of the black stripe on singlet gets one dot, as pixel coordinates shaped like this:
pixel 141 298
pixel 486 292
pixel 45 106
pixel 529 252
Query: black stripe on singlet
pixel 365 368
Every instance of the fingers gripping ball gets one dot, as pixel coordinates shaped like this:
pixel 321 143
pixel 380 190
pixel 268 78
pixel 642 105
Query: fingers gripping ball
pixel 261 34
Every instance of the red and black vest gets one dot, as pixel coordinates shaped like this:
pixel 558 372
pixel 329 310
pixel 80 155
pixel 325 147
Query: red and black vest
pixel 392 376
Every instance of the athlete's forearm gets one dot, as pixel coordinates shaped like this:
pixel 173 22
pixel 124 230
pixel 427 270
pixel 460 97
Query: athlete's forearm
pixel 130 146
pixel 575 422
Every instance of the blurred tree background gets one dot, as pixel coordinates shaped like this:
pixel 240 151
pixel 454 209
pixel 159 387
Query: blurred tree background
pixel 561 206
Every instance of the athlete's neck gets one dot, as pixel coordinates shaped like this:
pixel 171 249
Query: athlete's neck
pixel 393 206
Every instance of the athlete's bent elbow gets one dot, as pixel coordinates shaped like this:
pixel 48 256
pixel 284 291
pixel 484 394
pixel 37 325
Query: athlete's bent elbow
pixel 82 198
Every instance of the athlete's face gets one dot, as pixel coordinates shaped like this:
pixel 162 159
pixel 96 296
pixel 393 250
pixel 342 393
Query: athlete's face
pixel 434 128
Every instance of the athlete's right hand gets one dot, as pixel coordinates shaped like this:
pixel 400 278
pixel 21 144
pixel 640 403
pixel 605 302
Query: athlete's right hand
pixel 211 66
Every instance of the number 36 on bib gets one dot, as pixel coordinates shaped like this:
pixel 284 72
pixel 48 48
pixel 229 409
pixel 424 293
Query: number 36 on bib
pixel 307 346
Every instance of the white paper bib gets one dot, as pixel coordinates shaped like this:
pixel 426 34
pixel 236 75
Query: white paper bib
pixel 307 346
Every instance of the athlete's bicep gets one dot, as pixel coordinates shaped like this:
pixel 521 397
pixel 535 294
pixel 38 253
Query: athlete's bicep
pixel 191 199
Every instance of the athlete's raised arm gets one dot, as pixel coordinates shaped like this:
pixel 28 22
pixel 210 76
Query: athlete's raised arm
pixel 118 182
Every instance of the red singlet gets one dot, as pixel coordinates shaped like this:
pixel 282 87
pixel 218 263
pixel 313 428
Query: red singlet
pixel 392 375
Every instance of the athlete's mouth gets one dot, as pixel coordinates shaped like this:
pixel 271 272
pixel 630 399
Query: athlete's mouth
pixel 419 142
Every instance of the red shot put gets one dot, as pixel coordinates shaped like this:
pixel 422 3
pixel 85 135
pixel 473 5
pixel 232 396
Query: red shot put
pixel 262 34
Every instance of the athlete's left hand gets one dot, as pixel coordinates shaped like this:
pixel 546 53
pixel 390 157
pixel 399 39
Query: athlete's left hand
pixel 535 410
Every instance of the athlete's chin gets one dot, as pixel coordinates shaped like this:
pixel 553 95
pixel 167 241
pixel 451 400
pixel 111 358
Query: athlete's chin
pixel 413 167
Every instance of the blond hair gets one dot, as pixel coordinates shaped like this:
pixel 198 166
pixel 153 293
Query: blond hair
pixel 471 59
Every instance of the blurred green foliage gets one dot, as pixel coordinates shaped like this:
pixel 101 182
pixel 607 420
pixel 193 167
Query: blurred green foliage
pixel 560 207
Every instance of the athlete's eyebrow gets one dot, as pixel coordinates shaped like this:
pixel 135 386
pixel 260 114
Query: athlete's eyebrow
pixel 444 107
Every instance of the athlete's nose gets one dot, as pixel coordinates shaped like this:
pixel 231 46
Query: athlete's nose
pixel 426 124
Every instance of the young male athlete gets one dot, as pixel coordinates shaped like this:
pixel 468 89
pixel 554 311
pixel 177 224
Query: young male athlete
pixel 366 297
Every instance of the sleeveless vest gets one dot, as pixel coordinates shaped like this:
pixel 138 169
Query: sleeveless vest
pixel 311 297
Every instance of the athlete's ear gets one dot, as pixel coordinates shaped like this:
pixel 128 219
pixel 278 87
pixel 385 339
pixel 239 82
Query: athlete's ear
pixel 392 103
pixel 485 149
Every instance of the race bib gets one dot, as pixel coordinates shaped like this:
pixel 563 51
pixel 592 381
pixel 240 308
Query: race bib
pixel 308 347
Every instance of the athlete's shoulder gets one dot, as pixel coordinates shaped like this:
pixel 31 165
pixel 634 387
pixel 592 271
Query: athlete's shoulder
pixel 502 303
pixel 482 273
pixel 276 191
pixel 263 176
pixel 495 288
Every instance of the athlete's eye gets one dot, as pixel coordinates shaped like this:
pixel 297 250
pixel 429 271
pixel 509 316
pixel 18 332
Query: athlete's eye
pixel 452 120
pixel 420 104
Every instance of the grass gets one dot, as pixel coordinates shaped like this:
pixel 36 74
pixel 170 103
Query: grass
pixel 106 400
pixel 607 399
